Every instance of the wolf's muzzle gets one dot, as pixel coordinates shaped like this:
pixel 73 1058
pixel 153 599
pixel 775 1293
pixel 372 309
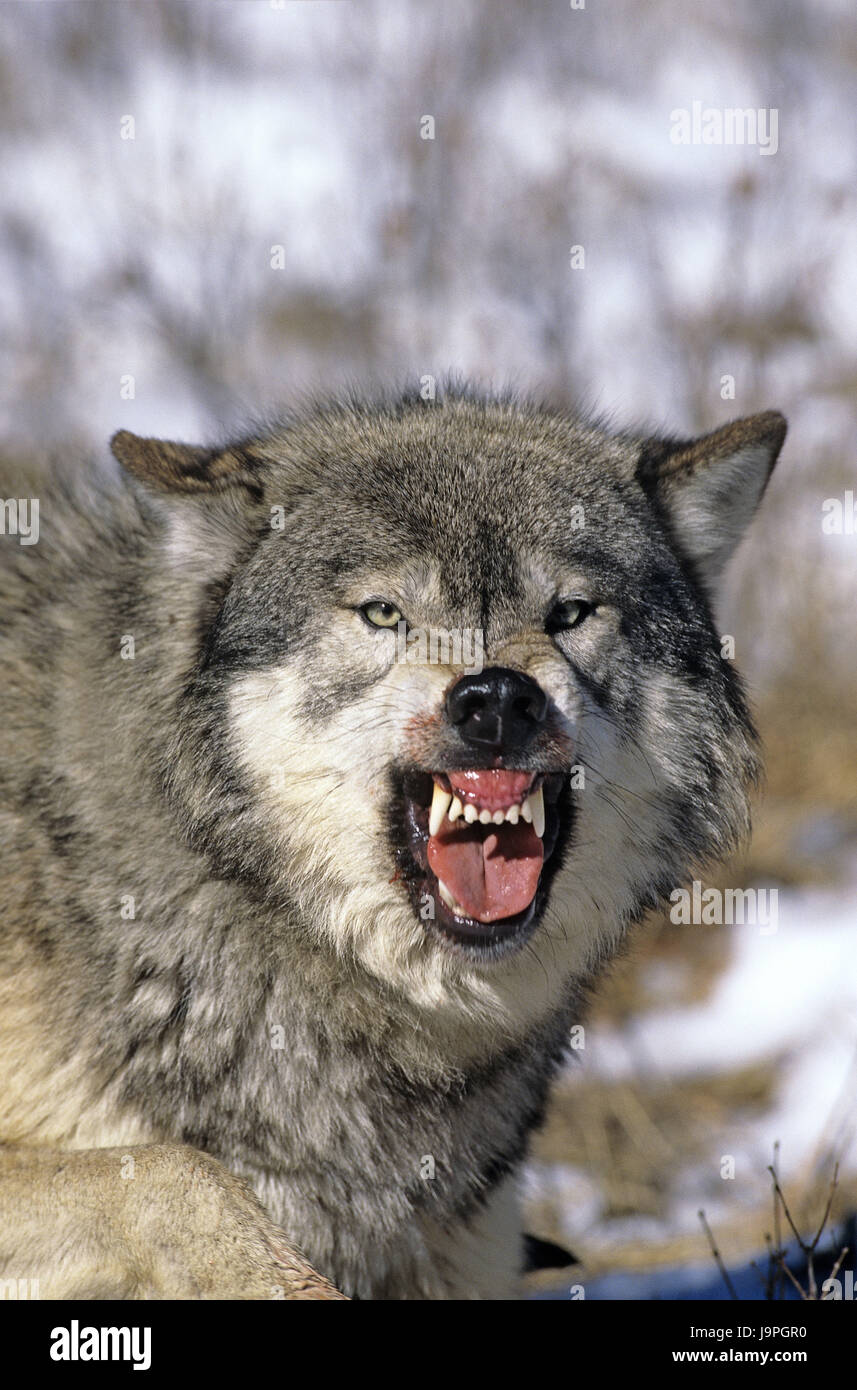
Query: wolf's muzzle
pixel 498 709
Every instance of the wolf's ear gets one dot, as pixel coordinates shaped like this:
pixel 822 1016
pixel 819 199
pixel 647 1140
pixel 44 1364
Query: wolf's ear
pixel 707 489
pixel 184 468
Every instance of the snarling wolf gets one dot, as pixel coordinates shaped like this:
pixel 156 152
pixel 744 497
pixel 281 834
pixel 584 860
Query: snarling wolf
pixel 297 919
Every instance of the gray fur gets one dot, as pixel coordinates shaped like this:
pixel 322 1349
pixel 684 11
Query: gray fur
pixel 215 777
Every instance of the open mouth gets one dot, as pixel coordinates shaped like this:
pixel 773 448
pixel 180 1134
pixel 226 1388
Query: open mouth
pixel 482 844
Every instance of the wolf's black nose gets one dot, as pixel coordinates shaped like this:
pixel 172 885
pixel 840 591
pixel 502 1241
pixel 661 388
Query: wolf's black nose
pixel 497 708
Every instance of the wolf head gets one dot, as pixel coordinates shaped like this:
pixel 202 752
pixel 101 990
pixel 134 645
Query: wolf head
pixel 457 707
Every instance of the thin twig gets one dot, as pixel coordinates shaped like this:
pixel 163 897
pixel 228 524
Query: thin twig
pixel 764 1279
pixel 834 1272
pixel 716 1253
pixel 834 1182
pixel 779 1192
pixel 776 1275
pixel 784 1267
pixel 836 1268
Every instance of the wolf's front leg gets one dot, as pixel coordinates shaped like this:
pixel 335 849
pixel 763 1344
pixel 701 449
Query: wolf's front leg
pixel 160 1221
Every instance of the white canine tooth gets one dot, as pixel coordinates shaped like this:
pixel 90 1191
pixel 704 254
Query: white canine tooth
pixel 439 807
pixel 470 813
pixel 455 809
pixel 537 803
pixel 527 811
pixel 445 893
pixel 512 814
pixel 484 817
pixel 498 817
pixel 450 900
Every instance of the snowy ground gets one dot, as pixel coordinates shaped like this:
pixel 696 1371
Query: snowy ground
pixel 788 998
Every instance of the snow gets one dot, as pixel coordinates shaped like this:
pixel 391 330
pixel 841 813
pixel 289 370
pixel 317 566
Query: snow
pixel 790 989
pixel 788 998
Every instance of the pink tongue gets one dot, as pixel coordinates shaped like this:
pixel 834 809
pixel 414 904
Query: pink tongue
pixel 492 871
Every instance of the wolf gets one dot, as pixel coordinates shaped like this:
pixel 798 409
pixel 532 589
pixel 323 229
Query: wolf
pixel 296 927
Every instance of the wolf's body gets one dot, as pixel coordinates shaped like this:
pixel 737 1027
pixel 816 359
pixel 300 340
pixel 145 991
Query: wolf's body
pixel 215 931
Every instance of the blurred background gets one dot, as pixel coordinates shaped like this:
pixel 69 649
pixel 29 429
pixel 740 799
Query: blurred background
pixel 210 208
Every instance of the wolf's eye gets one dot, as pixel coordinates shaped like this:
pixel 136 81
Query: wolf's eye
pixel 381 614
pixel 568 613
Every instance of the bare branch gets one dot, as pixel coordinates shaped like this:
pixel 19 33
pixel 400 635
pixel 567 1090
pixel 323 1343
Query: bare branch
pixel 834 1183
pixel 718 1259
pixel 784 1267
pixel 779 1191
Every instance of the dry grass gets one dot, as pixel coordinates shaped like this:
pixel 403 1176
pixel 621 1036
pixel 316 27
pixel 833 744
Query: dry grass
pixel 633 1139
